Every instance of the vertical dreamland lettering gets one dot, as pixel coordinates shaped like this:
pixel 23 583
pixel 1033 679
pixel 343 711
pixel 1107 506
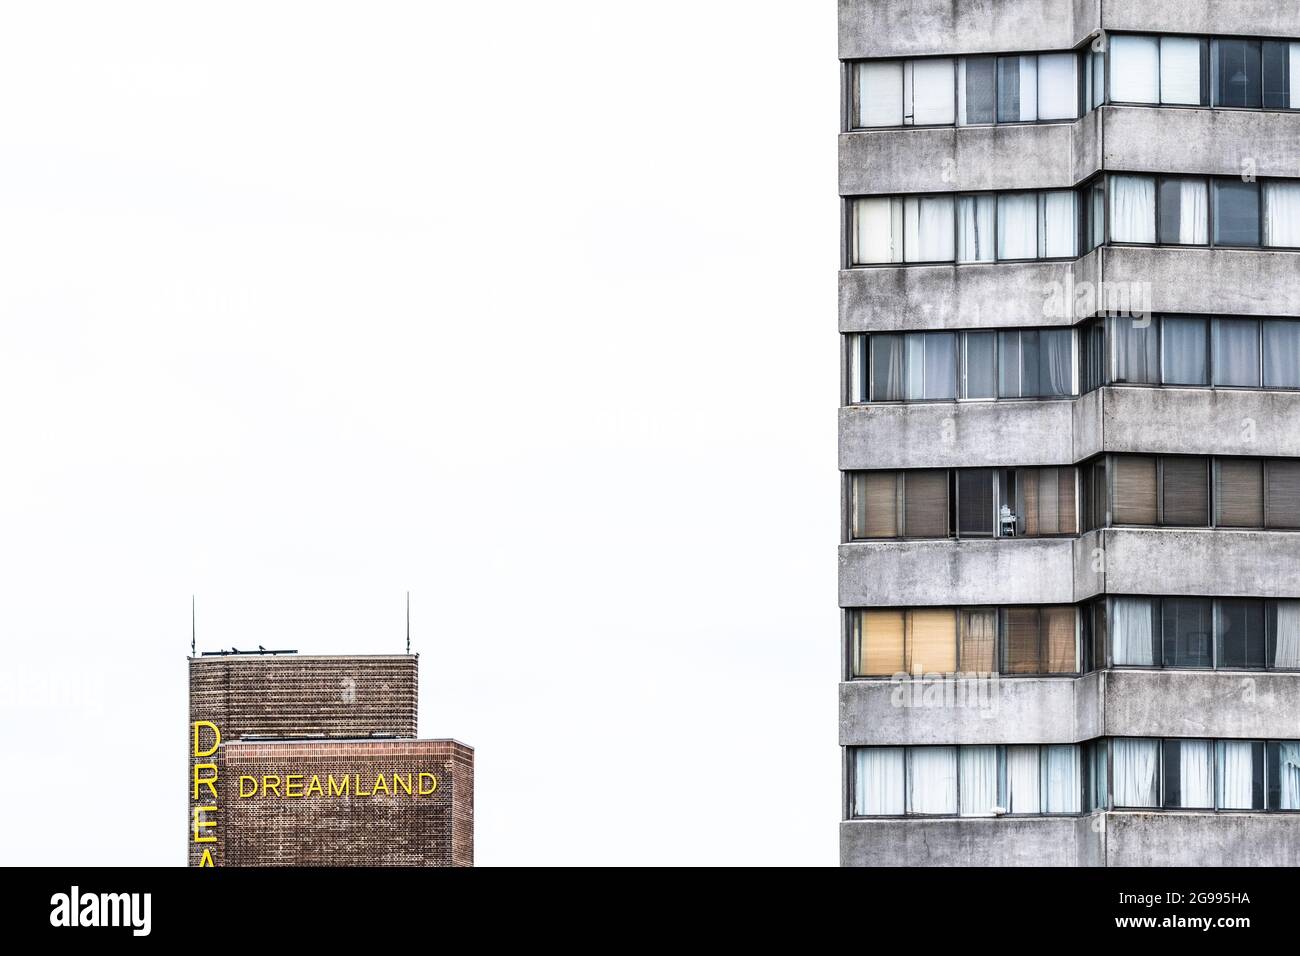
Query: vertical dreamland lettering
pixel 205 775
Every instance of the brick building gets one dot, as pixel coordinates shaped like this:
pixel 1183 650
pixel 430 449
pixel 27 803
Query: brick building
pixel 317 764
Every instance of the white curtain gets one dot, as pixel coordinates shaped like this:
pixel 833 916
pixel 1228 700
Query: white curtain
pixel 1236 775
pixel 1281 214
pixel 1058 86
pixel 1193 212
pixel 877 230
pixel 1132 208
pixel 979 780
pixel 1022 780
pixel 1180 70
pixel 1286 639
pixel 975 228
pixel 1136 783
pixel 1018 226
pixel 1134 70
pixel 878 782
pixel 932 92
pixel 1288 768
pixel 932 779
pixel 1058 227
pixel 1196 773
pixel 880 94
pixel 1131 638
pixel 1061 782
pixel 928 229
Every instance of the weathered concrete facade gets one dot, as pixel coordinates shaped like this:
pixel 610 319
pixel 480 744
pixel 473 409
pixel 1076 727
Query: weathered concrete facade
pixel 1256 423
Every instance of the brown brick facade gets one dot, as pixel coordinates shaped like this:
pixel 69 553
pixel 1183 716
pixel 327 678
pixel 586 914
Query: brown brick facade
pixel 300 718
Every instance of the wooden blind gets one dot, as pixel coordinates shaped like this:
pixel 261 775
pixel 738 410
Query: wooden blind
pixel 875 504
pixel 925 502
pixel 1059 630
pixel 1283 494
pixel 978 631
pixel 1186 491
pixel 1240 493
pixel 1068 515
pixel 880 643
pixel 1020 640
pixel 1027 494
pixel 975 501
pixel 1135 490
pixel 932 647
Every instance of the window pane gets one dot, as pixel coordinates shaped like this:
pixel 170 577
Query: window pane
pixel 1009 364
pixel 978 641
pixel 1062 788
pixel 979 780
pixel 880 94
pixel 975 502
pixel 1239 496
pixel 932 648
pixel 1134 69
pixel 1135 767
pixel 1092 362
pixel 932 93
pixel 1184 351
pixel 1188 625
pixel 1283 493
pixel 980 365
pixel 1284 634
pixel 1132 208
pixel 1281 353
pixel 1098 80
pixel 925 497
pixel 1058 227
pixel 887 368
pixel 1133 631
pixel 875 504
pixel 1054 362
pixel 1276 67
pixel 1282 214
pixel 976 89
pixel 932 780
pixel 1186 490
pixel 975 228
pixel 1133 351
pixel 1058 86
pixel 1184 218
pixel 1018 226
pixel 940 366
pixel 1189 774
pixel 1097 215
pixel 1135 490
pixel 1236 352
pixel 1059 628
pixel 878 781
pixel 1017 89
pixel 1236 73
pixel 1284 775
pixel 878 648
pixel 1236 213
pixel 1241 775
pixel 1180 70
pixel 1240 633
pixel 1020 641
pixel 877 230
pixel 1097 788
pixel 928 229
pixel 1023 779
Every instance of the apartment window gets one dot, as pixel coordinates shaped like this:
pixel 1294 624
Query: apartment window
pixel 1282 213
pixel 1237 73
pixel 1282 493
pixel 1239 783
pixel 1134 69
pixel 900 504
pixel 889 642
pixel 1176 491
pixel 967 780
pixel 1039 640
pixel 1135 355
pixel 1195 774
pixel 1132 209
pixel 1283 775
pixel 1134 492
pixel 1281 351
pixel 1236 213
pixel 1184 351
pixel 1236 352
pixel 1135 765
pixel 1095 785
pixel 1174 210
pixel 1092 215
pixel 905 93
pixel 917 366
pixel 1035 363
pixel 1239 493
pixel 979 365
pixel 1222 633
pixel 1182 212
pixel 1188 774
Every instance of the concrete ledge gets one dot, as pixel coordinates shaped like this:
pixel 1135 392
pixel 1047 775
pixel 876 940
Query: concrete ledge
pixel 869 28
pixel 1201 839
pixel 1199 141
pixel 1213 281
pixel 974 841
pixel 1207 563
pixel 1200 704
pixel 974 571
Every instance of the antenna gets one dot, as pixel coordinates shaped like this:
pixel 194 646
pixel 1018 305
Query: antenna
pixel 408 622
pixel 193 630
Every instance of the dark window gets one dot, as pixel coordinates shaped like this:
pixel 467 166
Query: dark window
pixel 1186 491
pixel 1240 634
pixel 1277 75
pixel 1284 775
pixel 1009 89
pixel 1237 79
pixel 980 98
pixel 981 367
pixel 887 368
pixel 975 502
pixel 1182 211
pixel 1236 213
pixel 1188 632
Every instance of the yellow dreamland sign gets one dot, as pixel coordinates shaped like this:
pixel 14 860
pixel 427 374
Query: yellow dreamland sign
pixel 292 786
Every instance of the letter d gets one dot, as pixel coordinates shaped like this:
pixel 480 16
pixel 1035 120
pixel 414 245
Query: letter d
pixel 216 742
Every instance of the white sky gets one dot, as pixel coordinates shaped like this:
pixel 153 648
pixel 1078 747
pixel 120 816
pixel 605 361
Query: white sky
pixel 526 307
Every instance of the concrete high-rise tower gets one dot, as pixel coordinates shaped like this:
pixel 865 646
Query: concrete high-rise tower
pixel 1070 435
